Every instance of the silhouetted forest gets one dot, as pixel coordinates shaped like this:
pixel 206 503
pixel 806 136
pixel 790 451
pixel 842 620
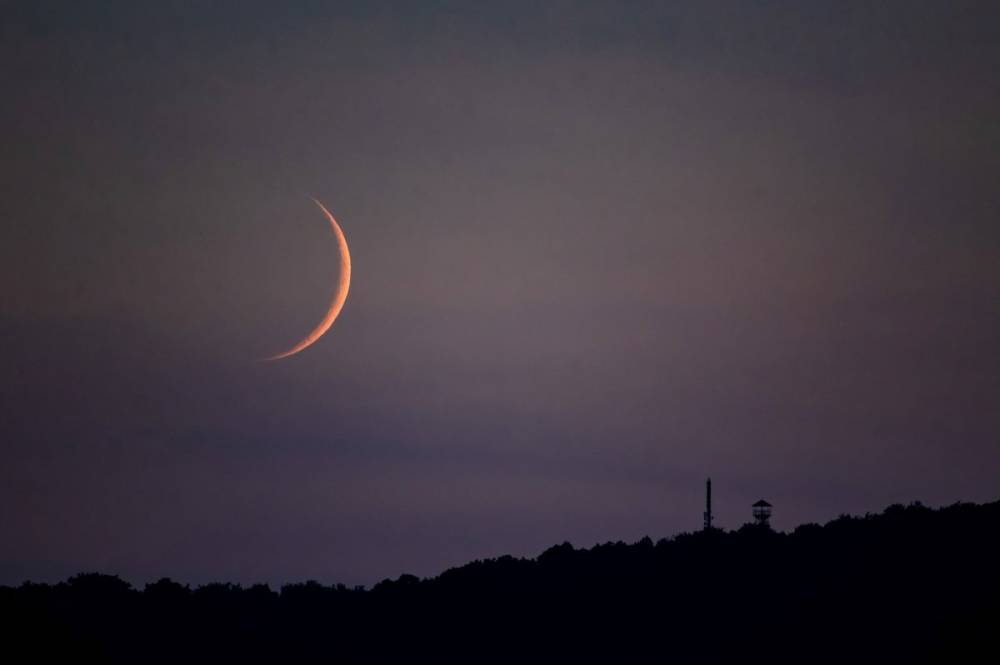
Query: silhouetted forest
pixel 909 584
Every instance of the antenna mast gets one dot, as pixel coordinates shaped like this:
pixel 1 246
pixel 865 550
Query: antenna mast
pixel 708 505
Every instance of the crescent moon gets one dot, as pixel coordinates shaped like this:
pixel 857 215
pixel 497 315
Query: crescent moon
pixel 339 298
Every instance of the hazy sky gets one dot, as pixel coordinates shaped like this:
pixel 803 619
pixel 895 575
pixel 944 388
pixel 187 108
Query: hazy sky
pixel 601 251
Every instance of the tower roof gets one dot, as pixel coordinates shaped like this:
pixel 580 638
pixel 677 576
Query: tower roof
pixel 762 504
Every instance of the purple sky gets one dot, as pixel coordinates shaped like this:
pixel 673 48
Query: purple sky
pixel 600 253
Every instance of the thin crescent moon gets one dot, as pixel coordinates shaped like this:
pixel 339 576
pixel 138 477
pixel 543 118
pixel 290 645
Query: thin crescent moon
pixel 339 298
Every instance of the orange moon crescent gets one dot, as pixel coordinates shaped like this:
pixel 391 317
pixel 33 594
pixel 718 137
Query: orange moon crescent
pixel 339 298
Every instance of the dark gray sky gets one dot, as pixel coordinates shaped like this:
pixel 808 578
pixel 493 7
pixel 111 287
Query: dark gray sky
pixel 601 251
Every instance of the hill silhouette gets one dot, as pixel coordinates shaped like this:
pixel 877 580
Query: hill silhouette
pixel 911 584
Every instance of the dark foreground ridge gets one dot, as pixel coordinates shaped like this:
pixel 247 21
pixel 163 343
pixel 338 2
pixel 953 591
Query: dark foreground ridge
pixel 910 584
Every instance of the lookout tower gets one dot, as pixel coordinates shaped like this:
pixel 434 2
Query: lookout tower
pixel 762 513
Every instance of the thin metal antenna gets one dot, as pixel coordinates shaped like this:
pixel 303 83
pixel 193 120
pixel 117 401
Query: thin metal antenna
pixel 708 505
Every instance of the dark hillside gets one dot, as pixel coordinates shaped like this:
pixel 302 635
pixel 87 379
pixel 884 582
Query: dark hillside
pixel 905 585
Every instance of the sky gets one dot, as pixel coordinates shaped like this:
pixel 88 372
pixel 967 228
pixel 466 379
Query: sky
pixel 601 252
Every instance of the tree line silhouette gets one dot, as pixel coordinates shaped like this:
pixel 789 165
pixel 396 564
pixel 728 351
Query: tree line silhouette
pixel 909 584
